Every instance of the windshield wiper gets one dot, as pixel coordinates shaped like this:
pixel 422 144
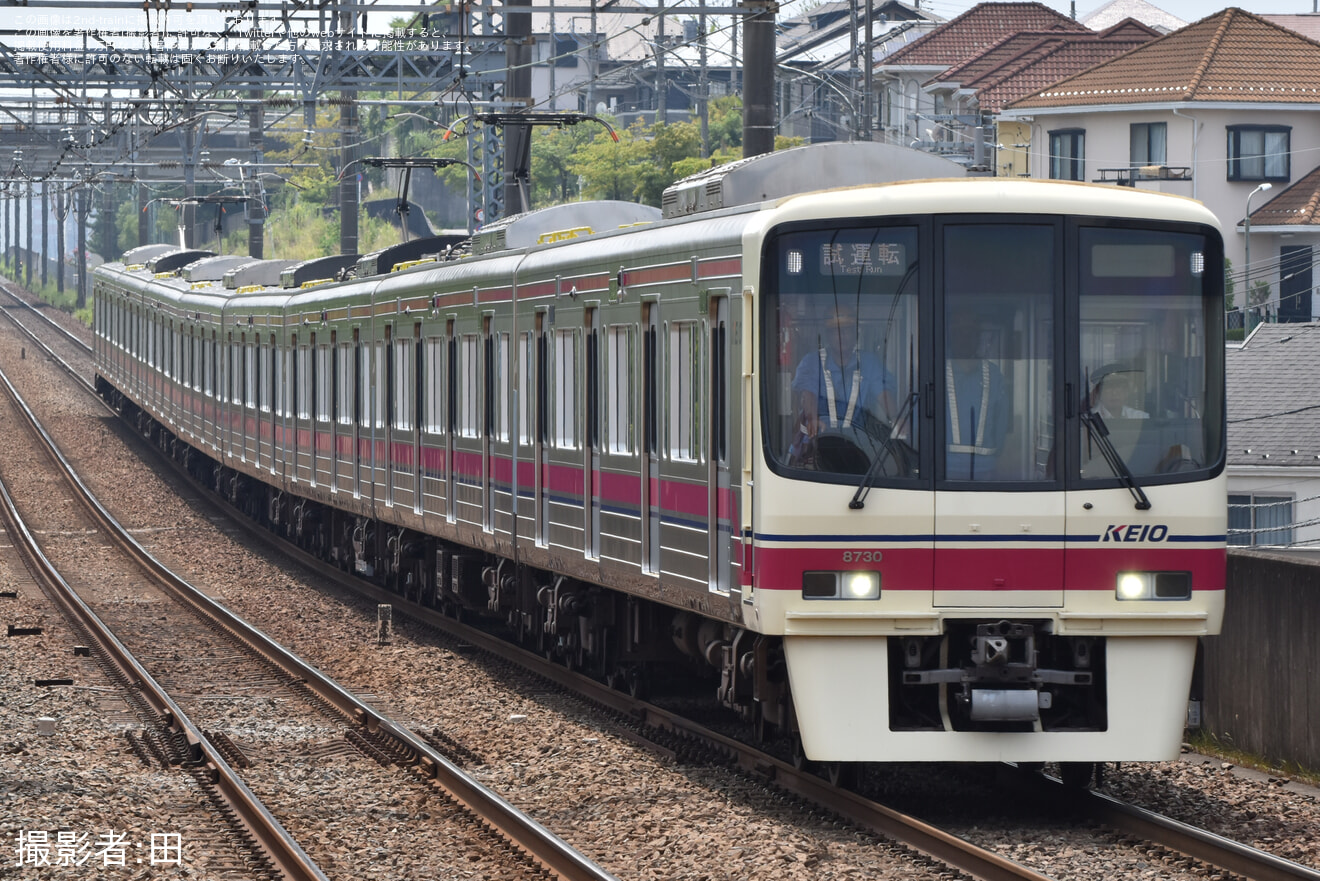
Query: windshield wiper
pixel 1099 432
pixel 885 452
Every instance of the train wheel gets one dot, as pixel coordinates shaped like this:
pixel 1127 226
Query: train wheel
pixel 763 730
pixel 1077 775
pixel 637 688
pixel 800 760
pixel 841 774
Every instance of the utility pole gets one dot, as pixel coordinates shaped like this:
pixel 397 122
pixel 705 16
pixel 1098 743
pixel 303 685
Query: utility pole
pixel 661 78
pixel 868 73
pixel 61 213
pixel 855 124
pixel 45 231
pixel 256 207
pixel 518 137
pixel 348 135
pixel 80 301
pixel 28 270
pixel 703 93
pixel 759 77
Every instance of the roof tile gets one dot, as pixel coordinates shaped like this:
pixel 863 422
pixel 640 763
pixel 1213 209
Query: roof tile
pixel 978 29
pixel 1269 415
pixel 1216 59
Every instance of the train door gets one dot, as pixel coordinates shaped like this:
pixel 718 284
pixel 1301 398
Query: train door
pixel 194 339
pixel 541 433
pixel 154 370
pixel 206 387
pixel 382 422
pixel 650 439
pixel 998 514
pixel 231 386
pixel 451 417
pixel 402 417
pixel 274 376
pixel 416 399
pixel 488 411
pixel 306 407
pixel 252 386
pixel 720 515
pixel 375 446
pixel 346 432
pixel 591 461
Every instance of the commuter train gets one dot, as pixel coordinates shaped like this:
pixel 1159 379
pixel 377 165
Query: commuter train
pixel 914 466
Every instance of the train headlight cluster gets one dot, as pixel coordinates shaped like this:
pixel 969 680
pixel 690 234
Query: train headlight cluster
pixel 841 585
pixel 1154 586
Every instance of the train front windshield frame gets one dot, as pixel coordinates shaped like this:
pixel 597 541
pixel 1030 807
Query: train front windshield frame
pixel 1026 329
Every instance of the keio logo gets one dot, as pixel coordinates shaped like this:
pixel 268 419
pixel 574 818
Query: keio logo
pixel 1157 532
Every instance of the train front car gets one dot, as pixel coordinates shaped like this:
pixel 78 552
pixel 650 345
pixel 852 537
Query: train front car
pixel 989 521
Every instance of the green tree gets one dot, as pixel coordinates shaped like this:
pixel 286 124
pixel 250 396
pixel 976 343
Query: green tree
pixel 553 150
pixel 724 125
pixel 612 170
pixel 671 144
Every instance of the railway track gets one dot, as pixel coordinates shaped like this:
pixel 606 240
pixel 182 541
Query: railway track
pixel 479 809
pixel 179 741
pixel 678 736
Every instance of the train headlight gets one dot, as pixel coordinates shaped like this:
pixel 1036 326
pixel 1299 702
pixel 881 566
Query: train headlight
pixel 1154 586
pixel 841 585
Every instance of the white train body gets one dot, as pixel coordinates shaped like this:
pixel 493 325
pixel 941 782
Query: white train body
pixel 956 557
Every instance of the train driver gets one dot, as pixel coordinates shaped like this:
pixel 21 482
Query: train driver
pixel 978 411
pixel 839 384
pixel 1109 396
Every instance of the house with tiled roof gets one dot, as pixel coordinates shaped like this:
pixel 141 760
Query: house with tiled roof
pixel 1023 63
pixel 821 60
pixel 1116 11
pixel 1306 24
pixel 1225 110
pixel 938 119
pixel 1274 437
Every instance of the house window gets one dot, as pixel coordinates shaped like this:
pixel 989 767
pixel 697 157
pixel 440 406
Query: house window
pixel 1260 520
pixel 1258 152
pixel 1149 142
pixel 1067 154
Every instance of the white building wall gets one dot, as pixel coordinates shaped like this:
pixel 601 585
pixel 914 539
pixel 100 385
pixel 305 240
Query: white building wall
pixel 1198 139
pixel 1300 483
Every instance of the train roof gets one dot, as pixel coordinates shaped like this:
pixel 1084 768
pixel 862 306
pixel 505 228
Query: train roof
pixel 315 270
pixel 257 272
pixel 213 268
pixel 387 259
pixel 802 169
pixel 558 222
pixel 143 253
pixel 175 259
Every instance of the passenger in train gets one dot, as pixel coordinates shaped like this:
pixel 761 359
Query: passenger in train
pixel 978 411
pixel 839 385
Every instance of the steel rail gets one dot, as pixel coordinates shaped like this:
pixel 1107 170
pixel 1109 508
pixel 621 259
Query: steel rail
pixel 948 849
pixel 1198 844
pixel 1188 840
pixel 45 318
pixel 1241 859
pixel 550 851
pixel 283 850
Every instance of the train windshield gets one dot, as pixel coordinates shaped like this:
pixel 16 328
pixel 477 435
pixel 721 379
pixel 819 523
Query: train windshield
pixel 1150 354
pixel 1039 351
pixel 844 319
